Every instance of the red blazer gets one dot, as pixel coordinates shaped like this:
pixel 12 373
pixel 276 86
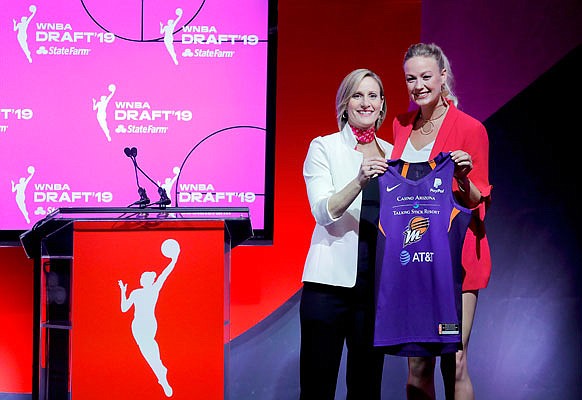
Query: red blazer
pixel 459 131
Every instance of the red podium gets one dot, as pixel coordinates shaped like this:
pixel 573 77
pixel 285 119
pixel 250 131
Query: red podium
pixel 133 303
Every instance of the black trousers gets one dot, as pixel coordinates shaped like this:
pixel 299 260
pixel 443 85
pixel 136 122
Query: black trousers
pixel 330 315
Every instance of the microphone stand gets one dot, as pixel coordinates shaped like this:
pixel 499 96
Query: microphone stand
pixel 143 197
pixel 164 199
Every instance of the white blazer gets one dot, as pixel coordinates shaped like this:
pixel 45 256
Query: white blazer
pixel 331 163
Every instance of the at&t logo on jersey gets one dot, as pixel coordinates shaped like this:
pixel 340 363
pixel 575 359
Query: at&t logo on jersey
pixel 404 257
pixel 416 257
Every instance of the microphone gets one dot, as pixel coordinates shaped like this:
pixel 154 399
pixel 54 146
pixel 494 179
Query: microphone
pixel 143 197
pixel 164 199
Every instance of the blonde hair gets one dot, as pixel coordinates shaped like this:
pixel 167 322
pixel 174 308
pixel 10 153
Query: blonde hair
pixel 434 51
pixel 346 90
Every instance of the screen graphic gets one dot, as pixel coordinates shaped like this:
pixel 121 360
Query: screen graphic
pixel 184 85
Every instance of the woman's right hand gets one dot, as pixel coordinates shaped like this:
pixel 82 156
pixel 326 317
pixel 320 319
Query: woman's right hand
pixel 370 168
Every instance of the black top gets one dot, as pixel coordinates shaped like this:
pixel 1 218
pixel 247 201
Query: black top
pixel 368 235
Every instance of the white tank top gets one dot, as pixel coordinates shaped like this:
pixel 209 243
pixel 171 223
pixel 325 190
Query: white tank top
pixel 410 154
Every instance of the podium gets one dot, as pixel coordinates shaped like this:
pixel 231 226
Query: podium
pixel 133 303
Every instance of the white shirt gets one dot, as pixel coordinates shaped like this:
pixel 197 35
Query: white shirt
pixel 331 163
pixel 410 154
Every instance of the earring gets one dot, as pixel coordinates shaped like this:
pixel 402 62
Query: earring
pixel 345 115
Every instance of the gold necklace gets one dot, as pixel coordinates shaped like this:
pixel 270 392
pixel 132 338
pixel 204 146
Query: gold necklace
pixel 429 123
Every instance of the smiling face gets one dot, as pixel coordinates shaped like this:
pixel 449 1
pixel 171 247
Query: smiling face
pixel 365 104
pixel 424 80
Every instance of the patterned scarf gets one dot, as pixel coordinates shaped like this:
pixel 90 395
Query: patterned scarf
pixel 364 135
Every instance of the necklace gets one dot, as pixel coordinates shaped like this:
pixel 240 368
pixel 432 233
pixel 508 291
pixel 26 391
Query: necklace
pixel 428 123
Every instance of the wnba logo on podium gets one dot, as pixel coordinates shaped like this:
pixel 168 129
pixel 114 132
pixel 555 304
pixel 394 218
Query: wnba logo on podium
pixel 145 325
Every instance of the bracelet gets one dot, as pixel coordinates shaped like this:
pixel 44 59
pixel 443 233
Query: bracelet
pixel 464 183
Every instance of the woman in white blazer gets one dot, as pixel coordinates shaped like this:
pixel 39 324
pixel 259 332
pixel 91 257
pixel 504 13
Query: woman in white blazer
pixel 337 300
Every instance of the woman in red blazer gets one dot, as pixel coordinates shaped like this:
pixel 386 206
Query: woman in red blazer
pixel 438 125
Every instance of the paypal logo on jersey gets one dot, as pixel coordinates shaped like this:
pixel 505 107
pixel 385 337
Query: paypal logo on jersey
pixel 436 185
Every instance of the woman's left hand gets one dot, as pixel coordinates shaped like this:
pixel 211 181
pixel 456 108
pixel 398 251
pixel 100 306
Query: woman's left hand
pixel 463 163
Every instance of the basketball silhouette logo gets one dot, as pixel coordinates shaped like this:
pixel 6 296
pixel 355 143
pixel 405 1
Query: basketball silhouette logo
pixel 170 248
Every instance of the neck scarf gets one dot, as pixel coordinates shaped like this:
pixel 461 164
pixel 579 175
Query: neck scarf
pixel 364 135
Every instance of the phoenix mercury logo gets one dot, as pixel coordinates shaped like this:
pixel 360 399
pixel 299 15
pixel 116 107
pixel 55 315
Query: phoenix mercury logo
pixel 415 229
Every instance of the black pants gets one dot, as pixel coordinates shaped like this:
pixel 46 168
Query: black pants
pixel 329 316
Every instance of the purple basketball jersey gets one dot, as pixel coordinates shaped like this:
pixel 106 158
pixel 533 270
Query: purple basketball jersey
pixel 418 262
